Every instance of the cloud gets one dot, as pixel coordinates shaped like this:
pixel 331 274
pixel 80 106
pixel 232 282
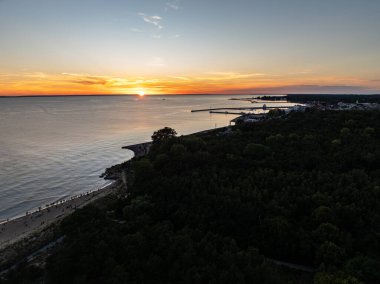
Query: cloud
pixel 27 83
pixel 326 89
pixel 156 36
pixel 302 72
pixel 220 76
pixel 174 5
pixel 154 20
pixel 301 89
pixel 180 78
pixel 86 79
pixel 37 75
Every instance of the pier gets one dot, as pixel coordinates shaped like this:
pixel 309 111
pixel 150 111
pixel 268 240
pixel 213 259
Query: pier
pixel 256 115
pixel 140 149
pixel 221 109
pixel 230 112
pixel 257 100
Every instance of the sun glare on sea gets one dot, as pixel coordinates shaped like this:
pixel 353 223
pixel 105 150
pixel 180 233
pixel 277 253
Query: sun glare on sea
pixel 141 93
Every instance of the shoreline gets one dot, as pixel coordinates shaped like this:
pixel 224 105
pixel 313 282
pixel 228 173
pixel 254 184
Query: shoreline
pixel 43 207
pixel 20 227
pixel 16 229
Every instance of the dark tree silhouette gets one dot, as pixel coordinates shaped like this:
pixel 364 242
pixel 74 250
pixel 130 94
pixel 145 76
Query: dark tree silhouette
pixel 213 208
pixel 163 134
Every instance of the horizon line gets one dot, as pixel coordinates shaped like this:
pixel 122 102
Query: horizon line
pixel 194 94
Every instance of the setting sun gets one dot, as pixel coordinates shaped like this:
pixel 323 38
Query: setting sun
pixel 141 93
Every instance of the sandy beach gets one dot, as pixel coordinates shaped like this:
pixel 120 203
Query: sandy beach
pixel 16 229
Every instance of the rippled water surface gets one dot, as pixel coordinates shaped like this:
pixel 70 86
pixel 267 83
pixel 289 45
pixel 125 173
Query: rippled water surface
pixel 55 147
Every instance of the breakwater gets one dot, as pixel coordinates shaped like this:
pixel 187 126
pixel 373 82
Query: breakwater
pixel 140 149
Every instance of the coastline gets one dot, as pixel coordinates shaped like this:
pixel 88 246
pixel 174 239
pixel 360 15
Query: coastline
pixel 22 227
pixel 40 208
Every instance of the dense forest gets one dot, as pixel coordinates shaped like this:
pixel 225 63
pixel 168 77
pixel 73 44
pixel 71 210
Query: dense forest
pixel 229 206
pixel 325 98
pixel 333 99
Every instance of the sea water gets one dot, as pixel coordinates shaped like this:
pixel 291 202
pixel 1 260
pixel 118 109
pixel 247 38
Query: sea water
pixel 52 148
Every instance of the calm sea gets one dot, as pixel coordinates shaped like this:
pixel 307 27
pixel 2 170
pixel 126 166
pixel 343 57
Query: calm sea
pixel 52 148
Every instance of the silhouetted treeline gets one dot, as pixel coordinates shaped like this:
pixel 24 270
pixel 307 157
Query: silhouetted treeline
pixel 214 209
pixel 272 98
pixel 333 99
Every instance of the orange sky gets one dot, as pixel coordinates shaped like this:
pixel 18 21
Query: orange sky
pixel 184 47
pixel 206 83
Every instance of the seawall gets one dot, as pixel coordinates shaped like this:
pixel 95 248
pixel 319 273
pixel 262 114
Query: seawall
pixel 140 149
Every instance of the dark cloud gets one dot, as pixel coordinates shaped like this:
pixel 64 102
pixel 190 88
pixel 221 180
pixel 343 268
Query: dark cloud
pixel 89 81
pixel 305 89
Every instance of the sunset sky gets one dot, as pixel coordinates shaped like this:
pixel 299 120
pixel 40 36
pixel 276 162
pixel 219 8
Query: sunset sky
pixel 189 46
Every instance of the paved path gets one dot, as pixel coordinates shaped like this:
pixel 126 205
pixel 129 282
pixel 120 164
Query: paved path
pixel 19 228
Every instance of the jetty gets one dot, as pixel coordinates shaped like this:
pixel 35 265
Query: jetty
pixel 257 100
pixel 140 149
pixel 237 113
pixel 229 112
pixel 264 107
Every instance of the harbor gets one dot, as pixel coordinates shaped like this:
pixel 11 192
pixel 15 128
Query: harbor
pixel 250 113
pixel 221 109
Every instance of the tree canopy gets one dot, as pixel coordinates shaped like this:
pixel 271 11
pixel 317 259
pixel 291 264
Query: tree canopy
pixel 219 208
pixel 163 134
